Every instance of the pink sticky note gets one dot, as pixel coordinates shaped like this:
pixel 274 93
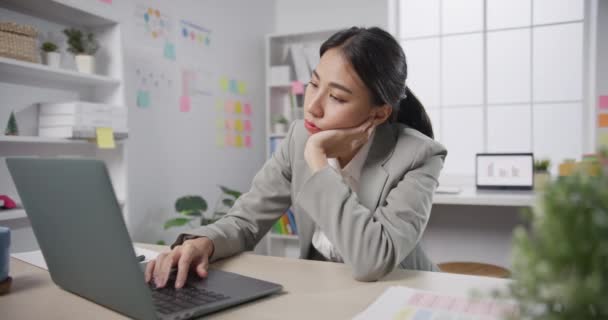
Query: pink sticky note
pixel 247 109
pixel 603 103
pixel 297 87
pixel 106 1
pixel 247 125
pixel 230 140
pixel 229 106
pixel 228 124
pixel 184 104
pixel 247 141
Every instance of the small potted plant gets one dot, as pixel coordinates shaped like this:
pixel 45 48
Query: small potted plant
pixel 51 55
pixel 279 124
pixel 83 47
pixel 541 174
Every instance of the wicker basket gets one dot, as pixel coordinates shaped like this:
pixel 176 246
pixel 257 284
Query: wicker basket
pixel 18 41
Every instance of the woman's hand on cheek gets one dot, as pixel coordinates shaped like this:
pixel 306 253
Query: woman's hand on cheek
pixel 335 143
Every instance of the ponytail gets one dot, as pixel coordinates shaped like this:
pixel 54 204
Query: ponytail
pixel 411 113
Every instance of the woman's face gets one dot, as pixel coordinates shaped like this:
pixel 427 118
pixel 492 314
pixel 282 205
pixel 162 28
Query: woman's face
pixel 336 98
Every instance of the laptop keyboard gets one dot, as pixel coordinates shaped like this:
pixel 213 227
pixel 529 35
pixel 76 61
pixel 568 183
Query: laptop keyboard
pixel 169 300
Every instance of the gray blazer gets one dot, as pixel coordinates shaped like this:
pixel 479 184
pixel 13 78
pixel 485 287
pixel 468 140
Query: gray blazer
pixel 374 231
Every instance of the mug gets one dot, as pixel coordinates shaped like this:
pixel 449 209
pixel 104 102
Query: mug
pixel 5 241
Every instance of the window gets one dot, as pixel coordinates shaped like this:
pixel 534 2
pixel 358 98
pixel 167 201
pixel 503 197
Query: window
pixel 499 75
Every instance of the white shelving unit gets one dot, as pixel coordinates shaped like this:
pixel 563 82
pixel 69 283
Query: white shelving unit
pixel 277 48
pixel 23 85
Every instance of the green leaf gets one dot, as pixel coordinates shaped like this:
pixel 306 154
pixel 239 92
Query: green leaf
pixel 234 193
pixel 176 222
pixel 190 203
pixel 228 202
pixel 161 243
pixel 191 213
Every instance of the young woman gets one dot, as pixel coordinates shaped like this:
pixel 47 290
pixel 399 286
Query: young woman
pixel 359 171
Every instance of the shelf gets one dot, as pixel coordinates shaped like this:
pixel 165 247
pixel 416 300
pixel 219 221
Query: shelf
pixel 53 10
pixel 283 236
pixel 277 135
pixel 33 74
pixel 12 214
pixel 41 140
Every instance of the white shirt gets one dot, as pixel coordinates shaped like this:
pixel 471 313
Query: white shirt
pixel 351 174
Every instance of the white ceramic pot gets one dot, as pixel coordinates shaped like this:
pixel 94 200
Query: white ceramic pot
pixel 541 179
pixel 280 128
pixel 52 59
pixel 85 63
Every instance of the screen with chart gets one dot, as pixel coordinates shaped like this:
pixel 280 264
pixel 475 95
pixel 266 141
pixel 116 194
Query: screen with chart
pixel 507 171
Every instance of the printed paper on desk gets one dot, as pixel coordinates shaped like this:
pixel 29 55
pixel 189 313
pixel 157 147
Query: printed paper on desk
pixel 405 303
pixel 37 259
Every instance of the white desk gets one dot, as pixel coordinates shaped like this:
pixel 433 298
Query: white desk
pixel 472 196
pixel 312 290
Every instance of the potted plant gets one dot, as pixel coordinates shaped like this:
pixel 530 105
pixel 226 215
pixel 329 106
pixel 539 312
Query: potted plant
pixel 279 124
pixel 541 174
pixel 83 47
pixel 560 260
pixel 51 55
pixel 192 210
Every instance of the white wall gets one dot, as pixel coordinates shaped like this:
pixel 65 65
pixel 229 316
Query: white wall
pixel 313 15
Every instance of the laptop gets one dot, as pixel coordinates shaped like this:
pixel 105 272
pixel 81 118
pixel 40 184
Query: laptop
pixel 82 235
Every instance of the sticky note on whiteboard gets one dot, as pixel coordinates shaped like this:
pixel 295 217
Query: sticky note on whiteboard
pixel 603 102
pixel 602 120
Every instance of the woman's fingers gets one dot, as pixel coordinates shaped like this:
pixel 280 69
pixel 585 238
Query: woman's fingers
pixel 183 266
pixel 164 267
pixel 149 270
pixel 203 266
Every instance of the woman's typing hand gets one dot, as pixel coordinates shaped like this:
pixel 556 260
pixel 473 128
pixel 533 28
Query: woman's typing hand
pixel 192 254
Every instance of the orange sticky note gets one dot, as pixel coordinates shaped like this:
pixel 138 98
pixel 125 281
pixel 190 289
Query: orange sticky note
pixel 602 120
pixel 105 138
pixel 229 106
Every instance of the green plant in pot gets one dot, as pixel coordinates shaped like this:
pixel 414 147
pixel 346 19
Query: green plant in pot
pixel 560 263
pixel 51 55
pixel 191 210
pixel 83 46
pixel 541 174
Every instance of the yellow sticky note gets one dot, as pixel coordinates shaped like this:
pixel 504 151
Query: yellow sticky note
pixel 239 141
pixel 219 140
pixel 242 87
pixel 238 107
pixel 603 139
pixel 224 84
pixel 238 125
pixel 105 138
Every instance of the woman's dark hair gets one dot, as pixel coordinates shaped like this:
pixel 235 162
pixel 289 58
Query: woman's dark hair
pixel 380 63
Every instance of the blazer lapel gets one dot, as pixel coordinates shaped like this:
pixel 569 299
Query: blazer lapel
pixel 373 175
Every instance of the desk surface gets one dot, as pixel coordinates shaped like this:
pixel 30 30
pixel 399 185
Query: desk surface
pixel 472 196
pixel 312 289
